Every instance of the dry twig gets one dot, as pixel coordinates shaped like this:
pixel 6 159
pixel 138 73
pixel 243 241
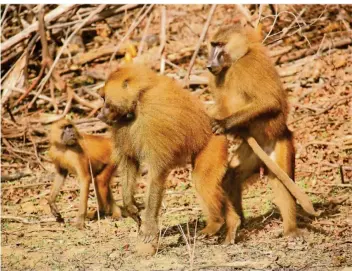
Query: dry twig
pixel 35 150
pixel 129 32
pixel 162 39
pixel 51 16
pixel 331 105
pixel 200 41
pixel 240 264
pixel 13 177
pixel 145 33
pixel 69 90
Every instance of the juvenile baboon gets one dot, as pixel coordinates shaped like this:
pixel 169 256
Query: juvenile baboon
pixel 74 152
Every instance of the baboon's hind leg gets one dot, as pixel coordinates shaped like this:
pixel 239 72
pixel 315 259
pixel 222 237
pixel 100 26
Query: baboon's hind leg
pixel 209 169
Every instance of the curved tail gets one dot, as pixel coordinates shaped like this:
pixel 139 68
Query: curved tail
pixel 302 198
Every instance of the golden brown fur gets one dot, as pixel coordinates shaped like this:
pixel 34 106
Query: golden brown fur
pixel 72 152
pixel 244 98
pixel 156 122
pixel 251 101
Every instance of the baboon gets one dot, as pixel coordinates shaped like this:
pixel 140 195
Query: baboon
pixel 156 122
pixel 79 153
pixel 251 102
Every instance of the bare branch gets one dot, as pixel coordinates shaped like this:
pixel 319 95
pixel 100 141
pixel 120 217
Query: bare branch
pixel 202 36
pixel 51 16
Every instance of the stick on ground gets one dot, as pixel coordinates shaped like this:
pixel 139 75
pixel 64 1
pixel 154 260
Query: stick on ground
pixel 202 36
pixel 52 15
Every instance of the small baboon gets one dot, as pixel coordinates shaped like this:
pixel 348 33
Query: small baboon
pixel 78 153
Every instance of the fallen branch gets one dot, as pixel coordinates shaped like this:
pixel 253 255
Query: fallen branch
pixel 3 16
pixel 46 58
pixel 286 29
pixel 339 185
pixel 33 85
pixel 68 40
pixel 108 13
pixel 89 56
pixel 200 41
pixel 11 149
pixel 25 220
pixel 85 102
pixel 51 16
pixel 129 32
pixel 41 96
pixel 92 113
pixel 11 56
pixel 11 78
pixel 29 50
pixel 332 104
pixel 35 230
pixel 13 177
pixel 35 150
pixel 16 219
pixel 325 143
pixel 57 76
pixel 24 186
pixel 311 51
pixel 145 33
pixel 341 174
pixel 240 264
pixel 281 51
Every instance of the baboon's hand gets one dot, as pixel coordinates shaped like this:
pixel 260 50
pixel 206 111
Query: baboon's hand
pixel 79 224
pixel 60 219
pixel 55 212
pixel 149 232
pixel 217 127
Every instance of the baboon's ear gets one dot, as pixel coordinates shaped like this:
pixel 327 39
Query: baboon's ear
pixel 254 34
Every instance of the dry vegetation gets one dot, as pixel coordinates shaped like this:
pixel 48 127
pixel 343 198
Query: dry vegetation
pixel 53 65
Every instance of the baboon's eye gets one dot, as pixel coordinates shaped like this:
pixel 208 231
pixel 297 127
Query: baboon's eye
pixel 125 83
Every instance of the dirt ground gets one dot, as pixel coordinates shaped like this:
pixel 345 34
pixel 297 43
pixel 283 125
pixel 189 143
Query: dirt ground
pixel 37 242
pixel 319 86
